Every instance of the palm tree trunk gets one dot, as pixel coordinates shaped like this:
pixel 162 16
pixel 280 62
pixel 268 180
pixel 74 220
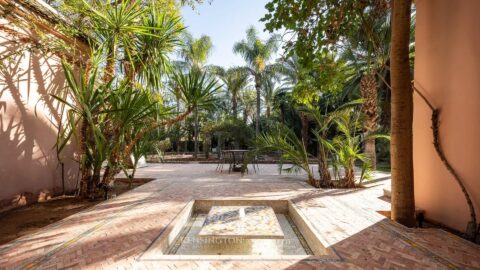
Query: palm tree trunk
pixel 304 121
pixel 282 114
pixel 368 89
pixel 178 130
pixel 234 106
pixel 195 115
pixel 349 179
pixel 257 120
pixel 325 176
pixel 403 200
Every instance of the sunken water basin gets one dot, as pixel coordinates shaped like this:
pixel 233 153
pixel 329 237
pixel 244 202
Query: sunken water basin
pixel 239 230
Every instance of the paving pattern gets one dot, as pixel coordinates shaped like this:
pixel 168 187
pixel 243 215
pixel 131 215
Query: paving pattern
pixel 114 234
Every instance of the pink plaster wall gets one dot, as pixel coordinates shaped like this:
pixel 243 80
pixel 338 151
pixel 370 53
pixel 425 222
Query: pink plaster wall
pixel 447 71
pixel 28 161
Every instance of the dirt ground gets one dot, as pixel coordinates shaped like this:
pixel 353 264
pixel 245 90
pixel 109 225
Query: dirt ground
pixel 30 219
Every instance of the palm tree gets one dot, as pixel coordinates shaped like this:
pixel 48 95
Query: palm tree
pixel 367 51
pixel 248 102
pixel 235 81
pixel 270 91
pixel 257 54
pixel 403 201
pixel 292 73
pixel 285 140
pixel 198 92
pixel 195 52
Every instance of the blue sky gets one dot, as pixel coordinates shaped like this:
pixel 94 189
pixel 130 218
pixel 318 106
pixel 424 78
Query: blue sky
pixel 225 21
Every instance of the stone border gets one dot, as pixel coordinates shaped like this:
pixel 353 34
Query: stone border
pixel 158 249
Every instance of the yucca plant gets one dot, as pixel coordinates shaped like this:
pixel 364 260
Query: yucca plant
pixel 85 104
pixel 130 110
pixel 151 60
pixel 198 91
pixel 130 36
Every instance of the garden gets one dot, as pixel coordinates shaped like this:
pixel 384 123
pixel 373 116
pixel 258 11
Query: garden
pixel 164 135
pixel 147 90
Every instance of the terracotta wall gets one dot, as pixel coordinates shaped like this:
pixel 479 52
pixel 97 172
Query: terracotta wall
pixel 447 71
pixel 29 118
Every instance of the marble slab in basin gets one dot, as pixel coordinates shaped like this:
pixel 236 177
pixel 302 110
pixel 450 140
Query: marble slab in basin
pixel 253 222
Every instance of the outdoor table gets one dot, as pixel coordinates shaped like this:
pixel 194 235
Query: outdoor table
pixel 236 159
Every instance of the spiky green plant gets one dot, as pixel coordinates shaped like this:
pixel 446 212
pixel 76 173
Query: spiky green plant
pixel 199 92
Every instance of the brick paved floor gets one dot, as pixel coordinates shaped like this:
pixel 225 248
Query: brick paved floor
pixel 114 234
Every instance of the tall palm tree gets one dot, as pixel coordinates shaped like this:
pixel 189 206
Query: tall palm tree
pixel 367 51
pixel 257 54
pixel 198 92
pixel 403 200
pixel 195 52
pixel 235 80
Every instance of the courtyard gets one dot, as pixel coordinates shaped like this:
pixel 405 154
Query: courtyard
pixel 115 234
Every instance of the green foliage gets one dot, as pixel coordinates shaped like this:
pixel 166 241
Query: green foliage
pixel 104 117
pixel 291 147
pixel 235 81
pixel 230 129
pixel 195 52
pixel 256 52
pixel 198 90
pixel 317 25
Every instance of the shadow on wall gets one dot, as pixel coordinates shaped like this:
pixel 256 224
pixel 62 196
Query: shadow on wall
pixel 29 120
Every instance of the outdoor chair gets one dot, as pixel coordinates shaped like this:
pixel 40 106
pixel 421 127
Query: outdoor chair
pixel 225 158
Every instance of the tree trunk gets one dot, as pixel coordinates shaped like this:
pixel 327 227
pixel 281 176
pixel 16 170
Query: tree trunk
pixel 368 89
pixel 85 165
pixel 179 133
pixel 269 109
pixel 325 177
pixel 110 65
pixel 234 106
pixel 304 121
pixel 403 200
pixel 195 131
pixel 282 114
pixel 257 120
pixel 112 168
pixel 206 147
pixel 349 179
pixel 95 179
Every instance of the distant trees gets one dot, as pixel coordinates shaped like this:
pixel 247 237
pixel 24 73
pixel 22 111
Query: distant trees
pixel 257 55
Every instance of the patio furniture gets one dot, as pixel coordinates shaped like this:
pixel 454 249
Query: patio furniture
pixel 221 161
pixel 235 159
